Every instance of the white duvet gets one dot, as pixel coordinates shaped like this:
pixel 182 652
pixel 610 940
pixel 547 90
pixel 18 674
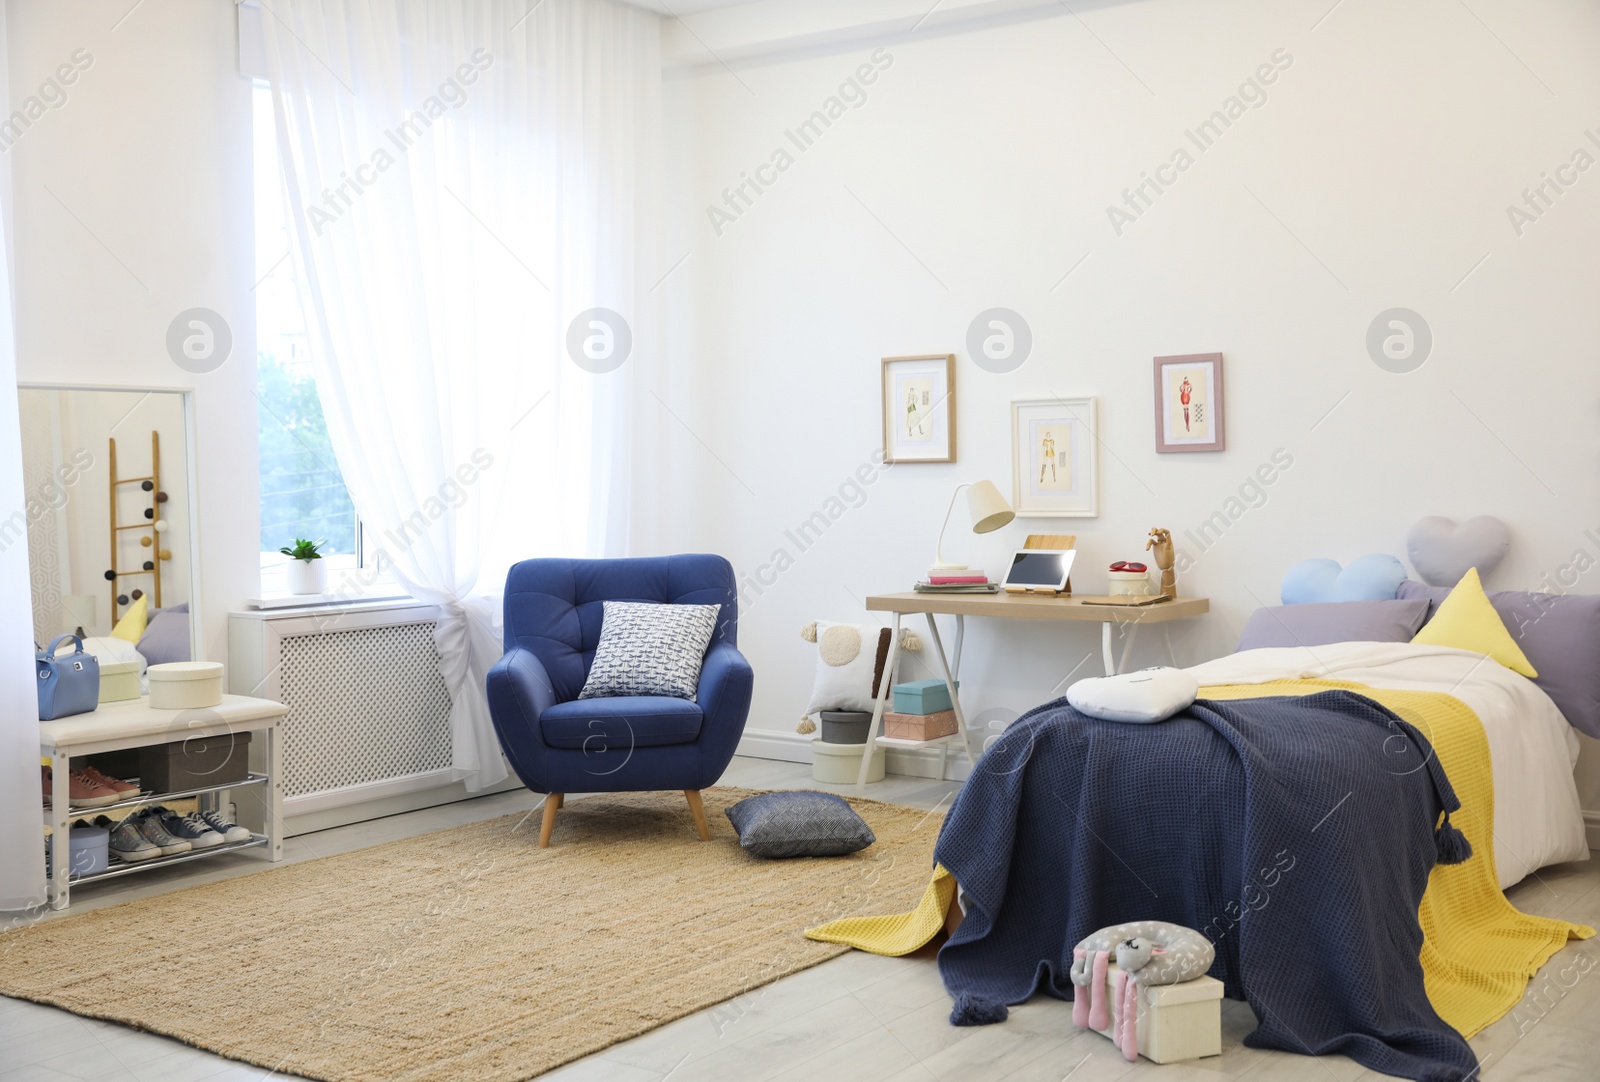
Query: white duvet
pixel 1537 816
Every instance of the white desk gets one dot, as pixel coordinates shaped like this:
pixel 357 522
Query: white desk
pixel 1007 607
pixel 135 724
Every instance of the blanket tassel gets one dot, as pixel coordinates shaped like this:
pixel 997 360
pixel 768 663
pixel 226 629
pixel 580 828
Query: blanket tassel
pixel 972 1011
pixel 1452 845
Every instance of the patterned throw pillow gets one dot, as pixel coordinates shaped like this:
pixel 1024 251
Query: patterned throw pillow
pixel 648 649
pixel 799 824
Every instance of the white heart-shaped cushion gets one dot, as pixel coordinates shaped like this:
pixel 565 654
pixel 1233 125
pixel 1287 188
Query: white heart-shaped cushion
pixel 1442 551
pixel 1141 697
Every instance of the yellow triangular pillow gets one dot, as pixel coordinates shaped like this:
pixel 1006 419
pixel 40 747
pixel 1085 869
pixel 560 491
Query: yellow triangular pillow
pixel 1466 620
pixel 131 626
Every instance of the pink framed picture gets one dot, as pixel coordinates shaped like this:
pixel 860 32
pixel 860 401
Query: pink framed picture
pixel 1189 412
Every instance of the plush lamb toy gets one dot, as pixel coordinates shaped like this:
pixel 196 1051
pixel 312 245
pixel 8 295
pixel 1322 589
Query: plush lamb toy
pixel 1149 952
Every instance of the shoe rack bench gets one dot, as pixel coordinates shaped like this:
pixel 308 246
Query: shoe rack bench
pixel 135 724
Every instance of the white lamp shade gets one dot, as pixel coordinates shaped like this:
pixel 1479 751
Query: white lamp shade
pixel 988 508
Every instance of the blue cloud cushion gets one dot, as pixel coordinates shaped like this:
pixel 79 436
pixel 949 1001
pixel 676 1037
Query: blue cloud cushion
pixel 1370 578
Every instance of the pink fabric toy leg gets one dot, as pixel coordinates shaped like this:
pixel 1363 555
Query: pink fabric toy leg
pixel 1080 997
pixel 1099 1016
pixel 1128 1016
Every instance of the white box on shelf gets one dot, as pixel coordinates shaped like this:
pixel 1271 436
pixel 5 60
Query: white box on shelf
pixel 1176 1021
pixel 185 685
pixel 119 681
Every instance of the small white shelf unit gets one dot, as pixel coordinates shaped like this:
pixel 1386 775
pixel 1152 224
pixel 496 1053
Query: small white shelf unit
pixel 135 724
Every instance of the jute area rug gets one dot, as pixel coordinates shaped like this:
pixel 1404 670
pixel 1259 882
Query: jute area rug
pixel 469 953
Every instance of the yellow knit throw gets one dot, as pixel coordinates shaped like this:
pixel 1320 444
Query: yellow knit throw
pixel 1478 951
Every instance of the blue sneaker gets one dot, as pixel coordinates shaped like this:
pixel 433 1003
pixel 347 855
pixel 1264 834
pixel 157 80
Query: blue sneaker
pixel 230 831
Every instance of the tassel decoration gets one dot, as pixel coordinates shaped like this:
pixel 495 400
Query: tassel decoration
pixel 1452 844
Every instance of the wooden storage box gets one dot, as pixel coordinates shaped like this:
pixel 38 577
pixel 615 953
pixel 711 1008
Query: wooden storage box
pixel 1176 1021
pixel 185 685
pixel 840 764
pixel 919 726
pixel 195 763
pixel 922 697
pixel 119 681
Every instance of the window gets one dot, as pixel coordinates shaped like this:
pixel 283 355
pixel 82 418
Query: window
pixel 302 491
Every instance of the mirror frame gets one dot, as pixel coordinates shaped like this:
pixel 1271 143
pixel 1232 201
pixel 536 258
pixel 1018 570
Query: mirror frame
pixel 191 473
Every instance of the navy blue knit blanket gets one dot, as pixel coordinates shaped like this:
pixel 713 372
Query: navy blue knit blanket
pixel 1296 834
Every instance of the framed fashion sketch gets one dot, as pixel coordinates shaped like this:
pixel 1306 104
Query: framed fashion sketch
pixel 1055 458
pixel 1189 403
pixel 919 408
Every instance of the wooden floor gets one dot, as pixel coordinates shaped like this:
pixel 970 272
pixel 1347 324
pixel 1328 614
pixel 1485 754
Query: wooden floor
pixel 858 1018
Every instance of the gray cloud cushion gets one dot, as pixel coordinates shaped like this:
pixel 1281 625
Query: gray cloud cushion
pixel 799 824
pixel 1559 633
pixel 1320 623
pixel 650 649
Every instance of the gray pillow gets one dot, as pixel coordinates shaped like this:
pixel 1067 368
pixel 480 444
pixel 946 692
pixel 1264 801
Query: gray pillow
pixel 650 649
pixel 799 824
pixel 1320 623
pixel 166 636
pixel 1559 633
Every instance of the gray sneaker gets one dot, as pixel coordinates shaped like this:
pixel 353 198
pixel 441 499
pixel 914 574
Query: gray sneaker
pixel 127 843
pixel 151 827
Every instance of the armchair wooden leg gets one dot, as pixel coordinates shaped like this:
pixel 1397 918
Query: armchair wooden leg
pixel 552 804
pixel 698 810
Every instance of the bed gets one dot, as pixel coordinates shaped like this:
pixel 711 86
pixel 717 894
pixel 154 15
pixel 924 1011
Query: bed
pixel 1070 823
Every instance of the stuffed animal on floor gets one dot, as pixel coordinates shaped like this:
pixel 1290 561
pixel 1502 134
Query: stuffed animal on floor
pixel 1149 952
pixel 850 661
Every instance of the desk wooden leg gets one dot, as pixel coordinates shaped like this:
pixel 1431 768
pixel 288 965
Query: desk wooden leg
pixel 878 706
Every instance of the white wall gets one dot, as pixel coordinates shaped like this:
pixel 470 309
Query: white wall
pixel 133 204
pixel 978 172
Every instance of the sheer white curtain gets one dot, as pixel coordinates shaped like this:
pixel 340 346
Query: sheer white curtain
pixel 466 180
pixel 21 852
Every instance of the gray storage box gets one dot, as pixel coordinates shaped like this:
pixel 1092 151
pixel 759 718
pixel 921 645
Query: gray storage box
pixel 195 763
pixel 845 726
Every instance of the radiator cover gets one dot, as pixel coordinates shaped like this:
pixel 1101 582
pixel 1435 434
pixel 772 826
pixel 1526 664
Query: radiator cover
pixel 369 713
pixel 365 706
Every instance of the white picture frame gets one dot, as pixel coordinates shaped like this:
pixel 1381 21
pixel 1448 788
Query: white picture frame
pixel 1055 458
pixel 919 408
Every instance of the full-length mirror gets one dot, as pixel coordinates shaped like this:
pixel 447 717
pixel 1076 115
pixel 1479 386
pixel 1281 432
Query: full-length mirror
pixel 106 475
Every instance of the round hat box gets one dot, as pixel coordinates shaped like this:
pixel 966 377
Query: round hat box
pixel 185 685
pixel 840 764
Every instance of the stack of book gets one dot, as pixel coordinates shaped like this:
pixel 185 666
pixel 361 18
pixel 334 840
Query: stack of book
pixel 957 582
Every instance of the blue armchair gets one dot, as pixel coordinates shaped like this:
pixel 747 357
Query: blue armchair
pixel 558 743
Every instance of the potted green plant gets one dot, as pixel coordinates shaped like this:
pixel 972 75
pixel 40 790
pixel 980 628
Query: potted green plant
pixel 308 574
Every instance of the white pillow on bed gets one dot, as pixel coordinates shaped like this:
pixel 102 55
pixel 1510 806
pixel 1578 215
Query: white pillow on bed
pixel 110 648
pixel 1140 697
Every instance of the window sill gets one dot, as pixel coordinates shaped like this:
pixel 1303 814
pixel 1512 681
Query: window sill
pixel 379 592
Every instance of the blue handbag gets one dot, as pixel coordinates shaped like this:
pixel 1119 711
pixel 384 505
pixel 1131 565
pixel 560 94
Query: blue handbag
pixel 67 685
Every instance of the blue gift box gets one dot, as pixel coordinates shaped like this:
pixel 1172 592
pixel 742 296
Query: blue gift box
pixel 922 697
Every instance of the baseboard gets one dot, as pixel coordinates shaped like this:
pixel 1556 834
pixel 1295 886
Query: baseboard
pixel 906 762
pixel 1591 829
